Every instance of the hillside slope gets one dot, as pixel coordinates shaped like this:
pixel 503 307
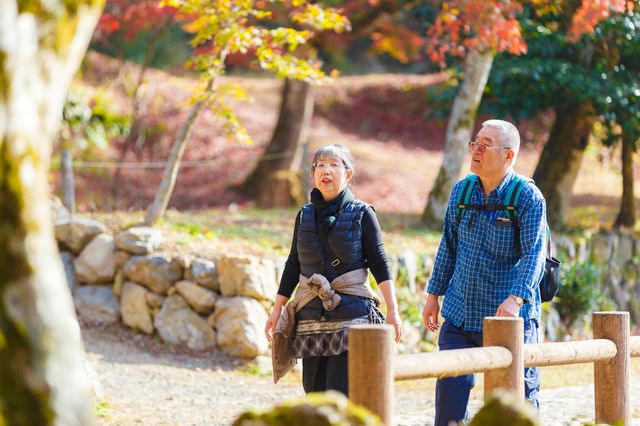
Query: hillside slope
pixel 383 119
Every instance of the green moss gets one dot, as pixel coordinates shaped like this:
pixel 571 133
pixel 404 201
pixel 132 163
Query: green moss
pixel 4 80
pixel 317 409
pixel 19 403
pixel 505 409
pixel 34 7
pixel 65 19
pixel 66 26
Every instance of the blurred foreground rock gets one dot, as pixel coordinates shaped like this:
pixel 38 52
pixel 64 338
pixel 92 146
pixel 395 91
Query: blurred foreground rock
pixel 317 409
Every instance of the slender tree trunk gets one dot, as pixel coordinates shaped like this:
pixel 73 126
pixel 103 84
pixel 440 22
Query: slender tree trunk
pixel 561 158
pixel 275 182
pixel 137 135
pixel 459 128
pixel 163 194
pixel 627 214
pixel 42 375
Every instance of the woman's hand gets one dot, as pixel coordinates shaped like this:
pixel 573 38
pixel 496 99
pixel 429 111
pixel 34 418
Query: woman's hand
pixel 270 326
pixel 393 319
pixel 271 322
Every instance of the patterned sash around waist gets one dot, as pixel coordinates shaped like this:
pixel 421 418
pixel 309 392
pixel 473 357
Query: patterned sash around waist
pixel 323 338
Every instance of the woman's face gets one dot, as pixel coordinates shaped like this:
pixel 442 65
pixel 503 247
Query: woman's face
pixel 331 177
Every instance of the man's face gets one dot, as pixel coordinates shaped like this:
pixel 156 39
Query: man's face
pixel 494 162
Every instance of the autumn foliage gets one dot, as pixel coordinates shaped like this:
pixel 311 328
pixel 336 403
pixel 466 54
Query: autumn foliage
pixel 464 26
pixel 591 12
pixel 133 17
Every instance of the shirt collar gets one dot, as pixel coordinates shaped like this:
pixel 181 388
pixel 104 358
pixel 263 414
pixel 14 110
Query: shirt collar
pixel 502 186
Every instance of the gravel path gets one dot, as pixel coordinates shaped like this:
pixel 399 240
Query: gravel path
pixel 143 382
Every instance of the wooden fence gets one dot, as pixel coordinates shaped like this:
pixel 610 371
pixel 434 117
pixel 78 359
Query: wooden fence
pixel 373 367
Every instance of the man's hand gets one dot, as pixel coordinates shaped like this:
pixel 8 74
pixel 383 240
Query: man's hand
pixel 430 312
pixel 509 308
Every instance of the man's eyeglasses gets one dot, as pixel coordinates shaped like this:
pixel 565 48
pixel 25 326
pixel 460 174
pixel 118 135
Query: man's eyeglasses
pixel 473 145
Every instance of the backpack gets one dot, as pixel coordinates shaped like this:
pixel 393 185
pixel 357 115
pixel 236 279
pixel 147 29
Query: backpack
pixel 551 277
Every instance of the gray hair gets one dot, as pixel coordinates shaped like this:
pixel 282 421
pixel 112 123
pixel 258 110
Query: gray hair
pixel 508 135
pixel 334 151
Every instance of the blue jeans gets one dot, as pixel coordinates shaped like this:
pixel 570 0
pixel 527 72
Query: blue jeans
pixel 452 393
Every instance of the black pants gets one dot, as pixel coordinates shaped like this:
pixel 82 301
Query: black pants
pixel 321 373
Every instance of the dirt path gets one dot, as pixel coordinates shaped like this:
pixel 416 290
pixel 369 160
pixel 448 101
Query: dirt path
pixel 144 382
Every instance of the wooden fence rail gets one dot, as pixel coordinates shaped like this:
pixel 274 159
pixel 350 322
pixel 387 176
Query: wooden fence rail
pixel 502 360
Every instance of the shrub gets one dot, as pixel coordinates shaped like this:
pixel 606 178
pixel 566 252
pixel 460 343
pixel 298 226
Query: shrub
pixel 579 292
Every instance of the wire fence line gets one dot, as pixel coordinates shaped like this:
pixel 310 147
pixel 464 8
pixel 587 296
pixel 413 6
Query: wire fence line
pixel 163 164
pixel 111 184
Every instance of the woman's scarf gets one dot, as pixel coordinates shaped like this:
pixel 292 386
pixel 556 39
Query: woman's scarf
pixel 326 211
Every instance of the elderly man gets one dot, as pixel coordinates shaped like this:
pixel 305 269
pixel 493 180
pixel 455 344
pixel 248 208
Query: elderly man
pixel 489 262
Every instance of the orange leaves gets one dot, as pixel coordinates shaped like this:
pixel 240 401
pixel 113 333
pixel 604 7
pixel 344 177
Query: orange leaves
pixel 400 43
pixel 475 25
pixel 590 13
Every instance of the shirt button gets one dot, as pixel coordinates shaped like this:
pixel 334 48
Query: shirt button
pixel 478 242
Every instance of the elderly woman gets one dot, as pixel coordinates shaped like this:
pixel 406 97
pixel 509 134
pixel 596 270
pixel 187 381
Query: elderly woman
pixel 335 239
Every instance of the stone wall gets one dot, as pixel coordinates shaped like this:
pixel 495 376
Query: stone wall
pixel 198 302
pixel 223 300
pixel 617 253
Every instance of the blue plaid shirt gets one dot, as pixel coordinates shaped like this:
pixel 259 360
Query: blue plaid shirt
pixel 477 267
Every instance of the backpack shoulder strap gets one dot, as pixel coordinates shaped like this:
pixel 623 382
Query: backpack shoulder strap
pixel 465 196
pixel 510 206
pixel 510 202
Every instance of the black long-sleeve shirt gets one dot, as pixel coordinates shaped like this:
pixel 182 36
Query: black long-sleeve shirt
pixel 372 247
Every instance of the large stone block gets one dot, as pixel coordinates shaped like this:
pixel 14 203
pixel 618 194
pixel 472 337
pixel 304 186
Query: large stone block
pixel 199 298
pixel 204 272
pixel 76 232
pixel 179 325
pixel 157 272
pixel 96 304
pixel 239 322
pixel 97 262
pixel 134 309
pixel 247 276
pixel 139 240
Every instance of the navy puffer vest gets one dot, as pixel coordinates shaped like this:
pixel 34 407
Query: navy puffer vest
pixel 345 239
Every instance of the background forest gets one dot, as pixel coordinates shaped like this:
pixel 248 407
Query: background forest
pixel 198 118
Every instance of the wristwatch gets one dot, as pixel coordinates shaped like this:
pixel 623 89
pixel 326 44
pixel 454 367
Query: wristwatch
pixel 519 300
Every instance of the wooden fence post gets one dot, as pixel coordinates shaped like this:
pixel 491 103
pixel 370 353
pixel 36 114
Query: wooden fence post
pixel 68 190
pixel 508 333
pixel 611 377
pixel 370 369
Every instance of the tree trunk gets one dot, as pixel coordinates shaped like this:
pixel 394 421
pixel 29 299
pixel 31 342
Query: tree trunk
pixel 561 158
pixel 137 136
pixel 163 194
pixel 463 114
pixel 627 215
pixel 275 182
pixel 42 364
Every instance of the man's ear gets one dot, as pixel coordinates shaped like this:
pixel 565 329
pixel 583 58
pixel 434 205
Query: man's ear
pixel 510 154
pixel 349 175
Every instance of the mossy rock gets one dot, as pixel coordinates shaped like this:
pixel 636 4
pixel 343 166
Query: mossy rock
pixel 317 409
pixel 505 409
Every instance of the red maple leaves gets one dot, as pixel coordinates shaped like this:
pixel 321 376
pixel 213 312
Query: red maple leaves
pixel 132 17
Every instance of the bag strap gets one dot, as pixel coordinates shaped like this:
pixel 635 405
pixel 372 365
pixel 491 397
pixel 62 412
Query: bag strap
pixel 510 209
pixel 465 196
pixel 335 262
